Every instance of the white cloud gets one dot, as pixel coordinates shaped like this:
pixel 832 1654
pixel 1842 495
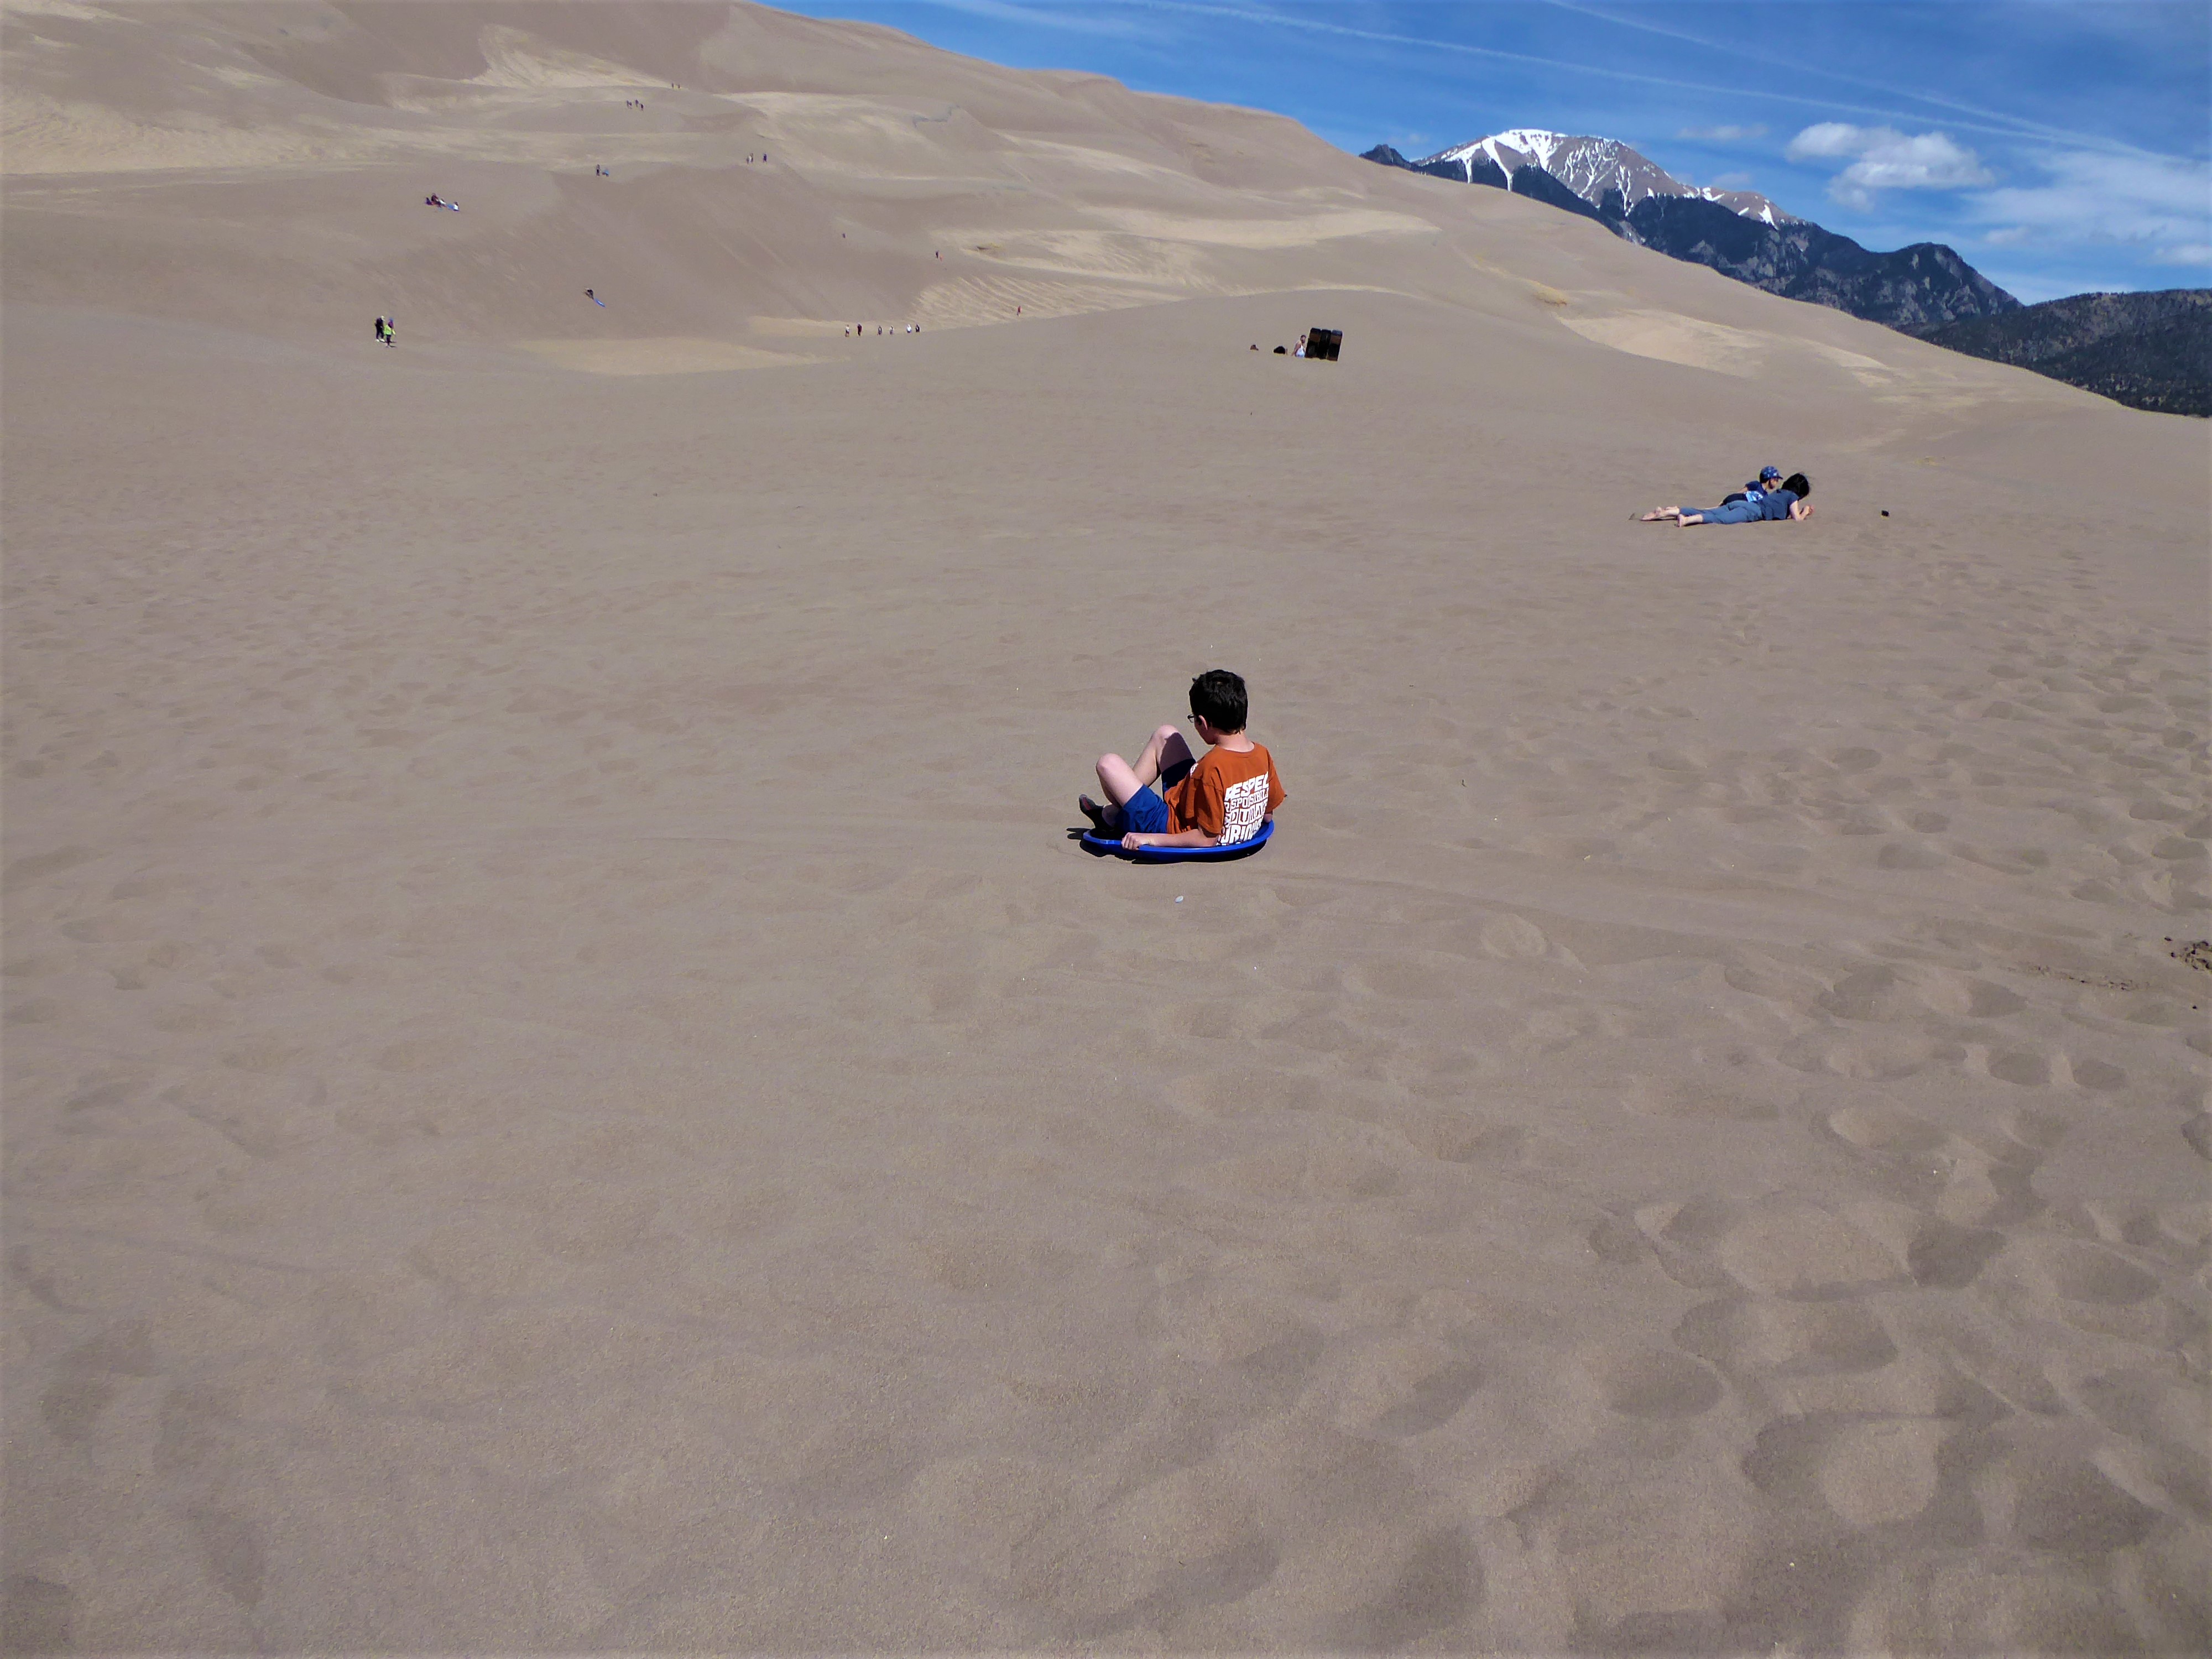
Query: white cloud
pixel 1883 158
pixel 1730 181
pixel 2161 204
pixel 1729 135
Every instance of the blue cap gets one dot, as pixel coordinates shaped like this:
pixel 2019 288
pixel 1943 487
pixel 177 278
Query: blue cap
pixel 1769 472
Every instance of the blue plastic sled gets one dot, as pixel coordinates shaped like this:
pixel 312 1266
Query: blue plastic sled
pixel 1236 849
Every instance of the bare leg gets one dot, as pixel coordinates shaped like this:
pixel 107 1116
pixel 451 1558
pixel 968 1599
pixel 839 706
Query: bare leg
pixel 1689 519
pixel 1121 778
pixel 1662 513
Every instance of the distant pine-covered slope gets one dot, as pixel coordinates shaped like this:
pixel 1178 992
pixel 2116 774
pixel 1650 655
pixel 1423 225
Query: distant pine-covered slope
pixel 2149 350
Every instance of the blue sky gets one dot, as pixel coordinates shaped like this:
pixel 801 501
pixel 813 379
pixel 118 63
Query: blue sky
pixel 2060 147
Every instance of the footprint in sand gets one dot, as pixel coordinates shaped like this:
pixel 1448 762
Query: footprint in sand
pixel 1965 1602
pixel 263 1115
pixel 1458 1135
pixel 2066 1503
pixel 975 1511
pixel 1913 992
pixel 1881 1056
pixel 2077 1271
pixel 1652 1383
pixel 1232 1091
pixel 2097 1075
pixel 1400 1387
pixel 1694 1099
pixel 1944 1256
pixel 1333 1169
pixel 1513 938
pixel 1867 1472
pixel 1256 1341
pixel 1909 855
pixel 1885 1129
pixel 1750 1338
pixel 984 1264
pixel 1423 978
pixel 1791 1248
pixel 2018 1066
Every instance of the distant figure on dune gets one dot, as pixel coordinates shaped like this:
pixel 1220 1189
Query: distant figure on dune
pixel 1301 351
pixel 595 298
pixel 1214 802
pixel 1759 501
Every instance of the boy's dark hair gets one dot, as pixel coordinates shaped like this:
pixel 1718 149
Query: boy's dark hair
pixel 1216 696
pixel 1798 485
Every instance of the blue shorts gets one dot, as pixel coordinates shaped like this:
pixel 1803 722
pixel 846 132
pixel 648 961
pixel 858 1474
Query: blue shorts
pixel 1145 811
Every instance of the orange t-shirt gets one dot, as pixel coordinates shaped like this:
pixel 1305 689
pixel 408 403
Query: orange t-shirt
pixel 1226 795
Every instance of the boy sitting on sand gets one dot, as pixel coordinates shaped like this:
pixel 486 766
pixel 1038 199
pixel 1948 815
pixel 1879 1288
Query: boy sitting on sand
pixel 1217 801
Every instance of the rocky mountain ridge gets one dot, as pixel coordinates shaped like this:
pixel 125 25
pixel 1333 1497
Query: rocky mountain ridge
pixel 1740 234
pixel 1590 167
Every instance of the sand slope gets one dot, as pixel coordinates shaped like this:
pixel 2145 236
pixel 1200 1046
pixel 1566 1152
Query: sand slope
pixel 565 1089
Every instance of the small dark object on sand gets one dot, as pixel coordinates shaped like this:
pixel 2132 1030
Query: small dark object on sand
pixel 1885 513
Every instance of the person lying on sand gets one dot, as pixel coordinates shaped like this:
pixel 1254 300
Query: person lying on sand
pixel 1217 801
pixel 1757 503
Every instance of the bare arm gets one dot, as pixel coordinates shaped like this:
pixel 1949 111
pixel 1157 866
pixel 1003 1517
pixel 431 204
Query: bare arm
pixel 1135 840
pixel 1800 511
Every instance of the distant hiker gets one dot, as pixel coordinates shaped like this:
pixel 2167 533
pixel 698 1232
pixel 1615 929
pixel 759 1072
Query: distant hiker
pixel 380 331
pixel 1784 502
pixel 392 332
pixel 1301 351
pixel 595 298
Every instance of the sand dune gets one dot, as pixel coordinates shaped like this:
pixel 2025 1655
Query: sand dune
pixel 565 1088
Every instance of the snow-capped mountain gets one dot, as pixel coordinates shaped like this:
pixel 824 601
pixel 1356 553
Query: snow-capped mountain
pixel 1738 232
pixel 1590 167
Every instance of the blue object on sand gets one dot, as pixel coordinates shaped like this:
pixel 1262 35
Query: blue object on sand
pixel 1236 849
